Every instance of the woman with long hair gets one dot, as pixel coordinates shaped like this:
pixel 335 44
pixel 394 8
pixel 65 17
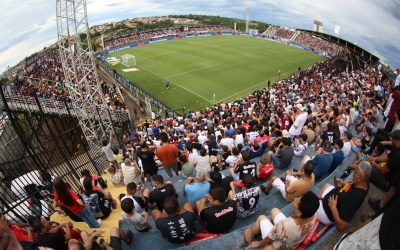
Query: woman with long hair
pixel 95 200
pixel 67 198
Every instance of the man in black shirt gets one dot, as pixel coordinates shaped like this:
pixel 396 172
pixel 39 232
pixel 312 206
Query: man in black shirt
pixel 247 167
pixel 175 223
pixel 217 181
pixel 339 204
pixel 221 216
pixel 162 190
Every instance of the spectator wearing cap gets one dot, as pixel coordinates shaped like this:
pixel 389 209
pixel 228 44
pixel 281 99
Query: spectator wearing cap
pixel 196 187
pixel 338 155
pixel 322 161
pixel 298 124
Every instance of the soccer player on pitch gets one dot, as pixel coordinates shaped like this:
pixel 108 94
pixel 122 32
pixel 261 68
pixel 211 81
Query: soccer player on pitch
pixel 166 84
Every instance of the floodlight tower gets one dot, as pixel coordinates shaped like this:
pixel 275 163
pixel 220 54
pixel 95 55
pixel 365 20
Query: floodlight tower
pixel 82 80
pixel 247 19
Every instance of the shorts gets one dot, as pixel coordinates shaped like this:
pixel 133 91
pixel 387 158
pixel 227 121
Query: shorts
pixel 266 225
pixel 321 215
pixel 280 185
pixel 168 169
pixel 150 170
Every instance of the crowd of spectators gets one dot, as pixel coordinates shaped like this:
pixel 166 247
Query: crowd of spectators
pixel 330 106
pixel 318 44
pixel 147 35
pixel 278 32
pixel 46 77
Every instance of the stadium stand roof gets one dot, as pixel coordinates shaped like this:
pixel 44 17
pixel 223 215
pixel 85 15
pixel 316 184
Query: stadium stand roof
pixel 357 53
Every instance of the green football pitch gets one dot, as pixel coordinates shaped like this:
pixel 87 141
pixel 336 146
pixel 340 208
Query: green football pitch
pixel 203 71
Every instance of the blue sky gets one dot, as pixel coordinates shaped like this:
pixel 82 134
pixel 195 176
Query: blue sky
pixel 28 26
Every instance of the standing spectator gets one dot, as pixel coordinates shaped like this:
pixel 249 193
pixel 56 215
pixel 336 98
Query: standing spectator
pixel 298 124
pixel 147 155
pixel 67 198
pixel 108 150
pixel 175 223
pixel 221 216
pixel 167 154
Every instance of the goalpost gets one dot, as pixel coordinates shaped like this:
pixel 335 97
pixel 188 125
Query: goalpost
pixel 128 60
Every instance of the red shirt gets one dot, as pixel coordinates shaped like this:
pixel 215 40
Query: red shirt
pixel 76 207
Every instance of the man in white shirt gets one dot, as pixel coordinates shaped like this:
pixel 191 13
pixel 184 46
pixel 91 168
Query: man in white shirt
pixel 347 143
pixel 298 124
pixel 227 141
pixel 108 150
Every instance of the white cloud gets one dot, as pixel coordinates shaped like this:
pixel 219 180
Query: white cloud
pixel 27 25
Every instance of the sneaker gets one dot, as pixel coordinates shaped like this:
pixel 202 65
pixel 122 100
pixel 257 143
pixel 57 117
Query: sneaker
pixel 129 235
pixel 374 203
pixel 263 188
pixel 99 221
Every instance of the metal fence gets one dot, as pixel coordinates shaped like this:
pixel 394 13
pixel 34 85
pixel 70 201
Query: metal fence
pixel 41 139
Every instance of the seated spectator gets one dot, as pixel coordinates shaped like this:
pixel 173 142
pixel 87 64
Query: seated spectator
pixel 140 221
pixel 307 130
pixel 25 235
pixel 203 162
pixel 196 187
pixel 283 155
pixel 263 138
pixel 339 204
pixel 227 140
pixel 337 155
pixel 300 145
pixel 139 202
pixel 98 204
pixel 233 158
pixel 284 232
pixel 322 161
pixel 86 173
pixel 347 143
pixel 115 176
pixel 175 223
pixel 247 198
pixel 131 172
pixel 161 191
pixel 255 151
pixel 264 170
pixel 187 167
pixel 118 156
pixel 89 241
pixel 383 175
pixel 221 216
pixel 295 184
pixel 247 167
pixel 48 236
pixel 216 180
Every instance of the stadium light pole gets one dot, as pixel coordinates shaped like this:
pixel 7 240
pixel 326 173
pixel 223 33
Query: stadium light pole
pixel 82 79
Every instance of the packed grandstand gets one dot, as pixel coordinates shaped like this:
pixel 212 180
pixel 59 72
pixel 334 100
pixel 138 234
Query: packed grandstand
pixel 304 149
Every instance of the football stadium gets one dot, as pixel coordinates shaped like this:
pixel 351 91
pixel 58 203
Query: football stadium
pixel 198 132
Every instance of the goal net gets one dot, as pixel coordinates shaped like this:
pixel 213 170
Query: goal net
pixel 128 60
